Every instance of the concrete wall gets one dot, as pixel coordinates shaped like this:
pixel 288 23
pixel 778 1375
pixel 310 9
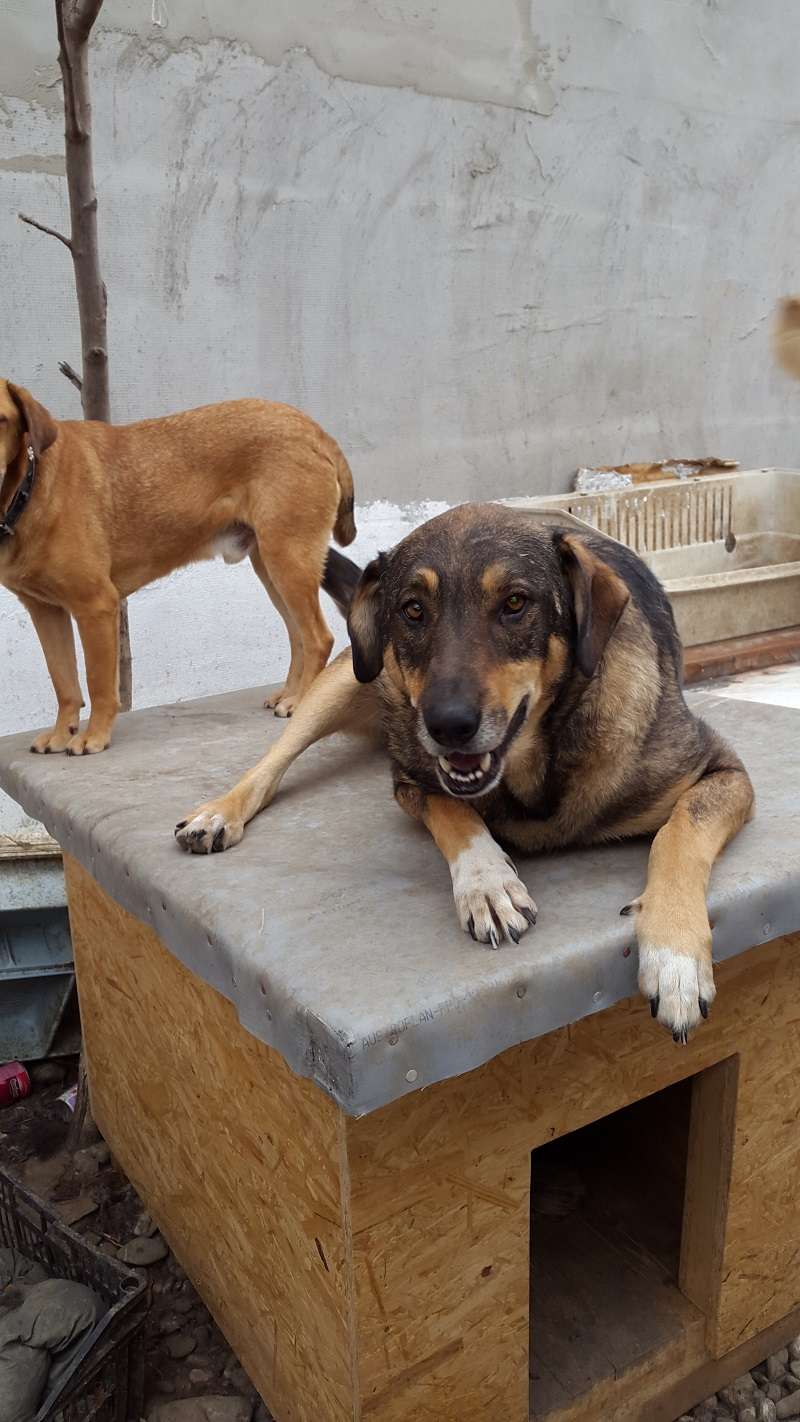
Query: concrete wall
pixel 481 243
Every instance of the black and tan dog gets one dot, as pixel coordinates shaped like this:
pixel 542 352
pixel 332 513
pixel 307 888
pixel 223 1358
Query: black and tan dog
pixel 526 674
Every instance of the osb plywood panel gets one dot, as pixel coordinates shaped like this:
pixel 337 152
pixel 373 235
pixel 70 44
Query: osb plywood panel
pixel 761 1259
pixel 443 1292
pixel 237 1158
pixel 412 1163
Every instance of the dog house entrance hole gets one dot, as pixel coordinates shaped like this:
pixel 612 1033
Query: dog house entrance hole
pixel 607 1212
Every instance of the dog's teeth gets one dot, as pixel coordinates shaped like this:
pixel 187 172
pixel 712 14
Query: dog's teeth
pixel 469 777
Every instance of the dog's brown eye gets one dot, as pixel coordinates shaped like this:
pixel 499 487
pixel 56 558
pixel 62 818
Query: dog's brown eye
pixel 514 605
pixel 413 611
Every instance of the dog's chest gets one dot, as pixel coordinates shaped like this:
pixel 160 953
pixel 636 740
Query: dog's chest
pixel 519 819
pixel 18 573
pixel 535 806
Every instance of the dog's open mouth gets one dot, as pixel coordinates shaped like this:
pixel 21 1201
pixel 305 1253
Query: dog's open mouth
pixel 463 773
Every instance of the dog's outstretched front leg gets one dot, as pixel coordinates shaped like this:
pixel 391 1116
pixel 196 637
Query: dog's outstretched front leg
pixel 491 900
pixel 672 927
pixel 335 702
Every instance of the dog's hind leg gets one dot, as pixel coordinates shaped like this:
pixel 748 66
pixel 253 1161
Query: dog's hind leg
pixel 290 691
pixel 491 900
pixel 294 560
pixel 54 629
pixel 336 702
pixel 672 927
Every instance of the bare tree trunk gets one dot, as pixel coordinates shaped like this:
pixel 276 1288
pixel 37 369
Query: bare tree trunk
pixel 74 21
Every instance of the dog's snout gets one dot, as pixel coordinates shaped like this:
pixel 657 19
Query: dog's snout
pixel 452 722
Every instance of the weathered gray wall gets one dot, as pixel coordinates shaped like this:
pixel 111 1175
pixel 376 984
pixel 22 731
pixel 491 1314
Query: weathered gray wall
pixel 482 243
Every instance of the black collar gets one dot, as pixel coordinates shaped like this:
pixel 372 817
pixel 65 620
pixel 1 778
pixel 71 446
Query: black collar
pixel 16 508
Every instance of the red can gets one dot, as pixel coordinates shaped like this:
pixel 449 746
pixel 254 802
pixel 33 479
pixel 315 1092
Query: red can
pixel 14 1083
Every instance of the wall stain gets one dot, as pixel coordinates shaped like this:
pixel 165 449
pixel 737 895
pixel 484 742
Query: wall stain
pixel 53 163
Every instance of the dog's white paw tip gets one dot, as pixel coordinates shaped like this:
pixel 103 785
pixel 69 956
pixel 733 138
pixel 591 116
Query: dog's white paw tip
pixel 679 986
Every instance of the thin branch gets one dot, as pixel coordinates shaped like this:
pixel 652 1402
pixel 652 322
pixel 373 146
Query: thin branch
pixel 66 369
pixel 51 231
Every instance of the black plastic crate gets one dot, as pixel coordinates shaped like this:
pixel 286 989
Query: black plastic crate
pixel 106 1380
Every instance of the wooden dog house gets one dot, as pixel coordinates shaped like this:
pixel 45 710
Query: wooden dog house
pixel 413 1178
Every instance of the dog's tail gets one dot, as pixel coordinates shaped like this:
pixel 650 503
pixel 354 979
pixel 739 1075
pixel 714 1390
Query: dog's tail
pixel 344 529
pixel 340 579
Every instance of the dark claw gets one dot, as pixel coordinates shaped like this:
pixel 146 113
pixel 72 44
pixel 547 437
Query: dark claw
pixel 181 825
pixel 471 929
pixel 681 1034
pixel 216 845
pixel 530 915
pixel 512 933
pixel 654 1002
pixel 626 911
pixel 703 1005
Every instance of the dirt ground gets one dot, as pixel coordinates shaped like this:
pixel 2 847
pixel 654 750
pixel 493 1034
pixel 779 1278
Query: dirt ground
pixel 186 1355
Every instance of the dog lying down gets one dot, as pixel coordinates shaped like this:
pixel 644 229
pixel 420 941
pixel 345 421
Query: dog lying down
pixel 525 673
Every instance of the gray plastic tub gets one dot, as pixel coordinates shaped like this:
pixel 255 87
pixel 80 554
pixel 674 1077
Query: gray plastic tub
pixel 36 967
pixel 725 546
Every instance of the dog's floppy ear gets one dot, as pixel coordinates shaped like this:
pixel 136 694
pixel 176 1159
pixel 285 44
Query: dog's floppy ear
pixel 39 423
pixel 366 622
pixel 600 597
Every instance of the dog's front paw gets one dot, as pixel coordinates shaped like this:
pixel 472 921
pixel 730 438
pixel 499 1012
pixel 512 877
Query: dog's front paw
pixel 680 987
pixel 271 701
pixel 54 742
pixel 88 743
pixel 207 831
pixel 283 702
pixel 491 900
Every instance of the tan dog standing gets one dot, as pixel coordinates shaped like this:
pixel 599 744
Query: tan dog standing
pixel 91 512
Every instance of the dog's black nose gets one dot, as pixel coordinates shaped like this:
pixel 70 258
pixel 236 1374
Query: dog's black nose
pixel 452 723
